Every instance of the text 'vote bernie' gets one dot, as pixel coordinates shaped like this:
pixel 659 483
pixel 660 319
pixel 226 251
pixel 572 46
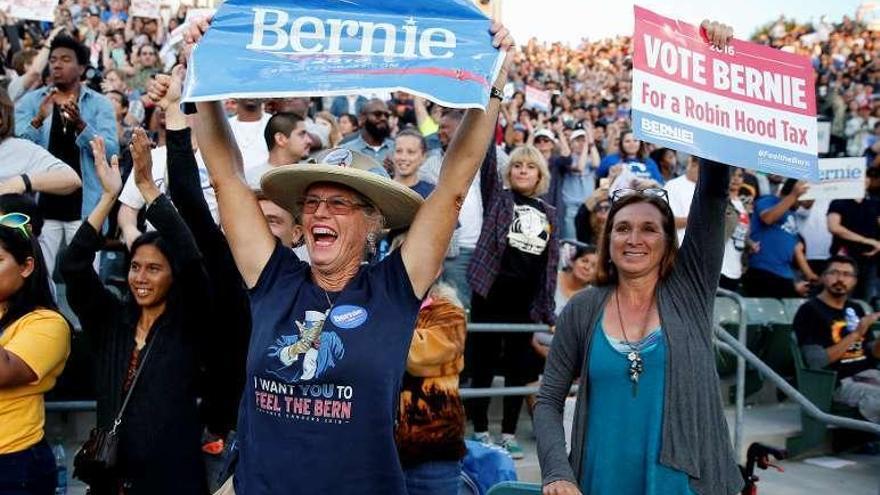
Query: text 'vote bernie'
pixel 687 65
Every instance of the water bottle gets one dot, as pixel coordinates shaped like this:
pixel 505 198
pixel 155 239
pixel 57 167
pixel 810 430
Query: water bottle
pixel 852 320
pixel 61 464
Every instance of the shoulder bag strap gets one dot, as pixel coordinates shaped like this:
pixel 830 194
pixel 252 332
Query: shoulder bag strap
pixel 137 374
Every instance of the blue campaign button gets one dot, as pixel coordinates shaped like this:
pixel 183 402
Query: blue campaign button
pixel 348 316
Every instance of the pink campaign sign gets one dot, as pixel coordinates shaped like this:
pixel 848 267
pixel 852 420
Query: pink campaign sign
pixel 748 105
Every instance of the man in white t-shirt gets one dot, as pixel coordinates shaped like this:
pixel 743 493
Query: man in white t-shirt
pixel 681 193
pixel 248 126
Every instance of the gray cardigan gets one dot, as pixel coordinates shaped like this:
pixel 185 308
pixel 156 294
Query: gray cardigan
pixel 695 437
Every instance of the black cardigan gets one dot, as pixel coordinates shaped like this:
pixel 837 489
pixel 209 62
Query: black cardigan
pixel 160 436
pixel 226 355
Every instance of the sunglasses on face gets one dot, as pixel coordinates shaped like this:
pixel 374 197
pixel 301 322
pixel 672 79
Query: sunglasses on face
pixel 653 192
pixel 380 113
pixel 18 221
pixel 337 205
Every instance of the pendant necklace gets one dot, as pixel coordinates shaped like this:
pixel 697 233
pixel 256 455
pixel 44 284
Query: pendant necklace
pixel 634 356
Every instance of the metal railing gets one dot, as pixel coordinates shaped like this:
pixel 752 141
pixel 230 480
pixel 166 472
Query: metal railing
pixel 740 400
pixel 725 341
pixel 731 345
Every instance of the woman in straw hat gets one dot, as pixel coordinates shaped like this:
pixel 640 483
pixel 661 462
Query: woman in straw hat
pixel 330 339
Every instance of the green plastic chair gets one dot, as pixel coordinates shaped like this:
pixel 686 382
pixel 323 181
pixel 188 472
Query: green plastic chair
pixel 726 312
pixel 515 488
pixel 818 387
pixel 761 311
pixel 791 306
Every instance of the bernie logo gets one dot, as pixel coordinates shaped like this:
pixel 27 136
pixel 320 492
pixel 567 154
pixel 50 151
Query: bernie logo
pixel 308 35
pixel 348 316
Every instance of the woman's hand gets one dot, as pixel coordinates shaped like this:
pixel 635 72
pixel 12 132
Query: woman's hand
pixel 194 34
pixel 716 33
pixel 108 174
pixel 502 40
pixel 165 90
pixel 561 487
pixel 143 165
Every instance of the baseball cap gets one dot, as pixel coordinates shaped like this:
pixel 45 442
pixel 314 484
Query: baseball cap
pixel 545 133
pixel 577 133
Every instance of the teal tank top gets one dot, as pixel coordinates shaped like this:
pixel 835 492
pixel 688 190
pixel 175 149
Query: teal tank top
pixel 624 429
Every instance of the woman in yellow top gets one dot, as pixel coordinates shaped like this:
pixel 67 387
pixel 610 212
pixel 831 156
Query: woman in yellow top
pixel 34 345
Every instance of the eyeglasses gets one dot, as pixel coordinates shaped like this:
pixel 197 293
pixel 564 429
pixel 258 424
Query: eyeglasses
pixel 336 204
pixel 380 113
pixel 17 221
pixel 653 192
pixel 838 273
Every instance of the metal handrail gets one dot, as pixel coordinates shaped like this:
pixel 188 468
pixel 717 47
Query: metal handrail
pixel 733 346
pixel 508 327
pixel 740 400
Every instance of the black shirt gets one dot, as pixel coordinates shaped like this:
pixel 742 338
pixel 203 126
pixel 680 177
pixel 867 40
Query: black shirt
pixel 818 324
pixel 62 144
pixel 859 217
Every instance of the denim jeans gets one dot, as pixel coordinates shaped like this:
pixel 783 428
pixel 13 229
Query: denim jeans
pixel 568 229
pixel 433 478
pixel 29 472
pixel 455 274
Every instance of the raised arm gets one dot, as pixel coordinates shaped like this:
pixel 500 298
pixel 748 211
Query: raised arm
pixel 160 212
pixel 425 246
pixel 185 187
pixel 786 203
pixel 87 296
pixel 246 229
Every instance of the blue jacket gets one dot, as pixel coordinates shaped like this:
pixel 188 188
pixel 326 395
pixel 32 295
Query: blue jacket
pixel 97 112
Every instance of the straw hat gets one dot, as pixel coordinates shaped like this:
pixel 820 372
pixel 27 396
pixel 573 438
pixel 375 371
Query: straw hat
pixel 286 185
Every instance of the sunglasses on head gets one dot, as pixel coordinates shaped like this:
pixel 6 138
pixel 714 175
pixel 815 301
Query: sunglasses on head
pixel 18 221
pixel 651 192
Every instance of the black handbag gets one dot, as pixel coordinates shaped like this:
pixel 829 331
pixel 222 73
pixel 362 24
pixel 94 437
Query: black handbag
pixel 96 459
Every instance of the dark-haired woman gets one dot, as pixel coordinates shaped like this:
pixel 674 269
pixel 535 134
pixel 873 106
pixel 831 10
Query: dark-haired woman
pixel 154 328
pixel 633 155
pixel 641 341
pixel 34 345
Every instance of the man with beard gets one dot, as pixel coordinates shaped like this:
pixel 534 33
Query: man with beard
pixel 854 225
pixel 63 118
pixel 248 126
pixel 373 140
pixel 834 334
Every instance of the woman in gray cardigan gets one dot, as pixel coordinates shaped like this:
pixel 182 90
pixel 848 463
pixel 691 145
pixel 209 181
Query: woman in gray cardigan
pixel 648 418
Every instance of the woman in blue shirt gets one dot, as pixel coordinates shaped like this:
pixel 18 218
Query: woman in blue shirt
pixel 634 154
pixel 330 339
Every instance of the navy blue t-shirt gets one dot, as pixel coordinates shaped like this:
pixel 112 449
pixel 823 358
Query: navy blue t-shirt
pixel 318 409
pixel 424 188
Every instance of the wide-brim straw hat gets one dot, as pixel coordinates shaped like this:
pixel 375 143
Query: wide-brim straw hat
pixel 286 185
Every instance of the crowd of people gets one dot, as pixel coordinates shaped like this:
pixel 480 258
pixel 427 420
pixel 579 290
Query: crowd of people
pixel 301 270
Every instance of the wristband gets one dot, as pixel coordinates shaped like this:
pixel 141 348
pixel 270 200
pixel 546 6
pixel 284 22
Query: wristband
pixel 496 93
pixel 28 187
